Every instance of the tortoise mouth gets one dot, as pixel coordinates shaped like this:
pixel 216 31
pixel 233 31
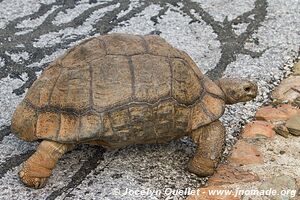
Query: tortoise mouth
pixel 253 95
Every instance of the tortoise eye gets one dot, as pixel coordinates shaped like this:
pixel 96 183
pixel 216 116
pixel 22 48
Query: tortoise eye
pixel 247 89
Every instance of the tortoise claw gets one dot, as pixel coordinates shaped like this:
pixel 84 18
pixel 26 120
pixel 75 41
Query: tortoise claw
pixel 33 182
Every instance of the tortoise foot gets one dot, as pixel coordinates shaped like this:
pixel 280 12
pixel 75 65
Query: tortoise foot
pixel 38 168
pixel 202 166
pixel 32 181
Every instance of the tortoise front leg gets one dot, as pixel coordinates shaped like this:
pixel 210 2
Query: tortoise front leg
pixel 38 168
pixel 210 140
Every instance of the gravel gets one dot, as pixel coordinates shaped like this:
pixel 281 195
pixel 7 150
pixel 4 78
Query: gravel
pixel 251 39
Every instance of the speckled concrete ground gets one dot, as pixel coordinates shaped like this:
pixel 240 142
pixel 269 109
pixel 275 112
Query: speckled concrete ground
pixel 256 39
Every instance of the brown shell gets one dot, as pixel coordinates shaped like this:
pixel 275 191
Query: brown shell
pixel 118 87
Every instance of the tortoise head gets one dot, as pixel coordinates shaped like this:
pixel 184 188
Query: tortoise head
pixel 237 90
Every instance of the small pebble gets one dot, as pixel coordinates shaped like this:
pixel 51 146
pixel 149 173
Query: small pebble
pixel 282 152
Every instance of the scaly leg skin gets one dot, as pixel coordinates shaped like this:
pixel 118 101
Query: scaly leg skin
pixel 210 140
pixel 38 168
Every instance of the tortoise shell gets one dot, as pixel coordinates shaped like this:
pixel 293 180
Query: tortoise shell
pixel 118 89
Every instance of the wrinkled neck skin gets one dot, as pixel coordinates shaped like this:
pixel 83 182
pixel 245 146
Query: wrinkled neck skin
pixel 228 99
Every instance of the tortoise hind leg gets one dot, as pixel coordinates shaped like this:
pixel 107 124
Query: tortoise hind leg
pixel 38 168
pixel 210 140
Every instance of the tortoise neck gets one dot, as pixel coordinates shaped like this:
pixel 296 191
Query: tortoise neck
pixel 223 85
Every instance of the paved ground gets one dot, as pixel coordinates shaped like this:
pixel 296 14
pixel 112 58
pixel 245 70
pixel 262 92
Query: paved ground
pixel 253 39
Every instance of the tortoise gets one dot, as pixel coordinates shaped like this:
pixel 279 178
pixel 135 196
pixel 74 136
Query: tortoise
pixel 120 89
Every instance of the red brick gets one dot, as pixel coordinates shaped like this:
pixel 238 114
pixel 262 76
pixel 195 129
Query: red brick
pixel 258 129
pixel 279 113
pixel 228 174
pixel 245 153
